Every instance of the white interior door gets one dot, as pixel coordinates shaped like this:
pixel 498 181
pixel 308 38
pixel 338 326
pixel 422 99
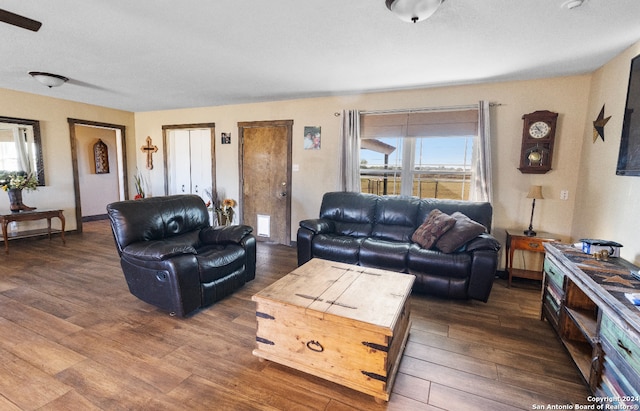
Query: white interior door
pixel 200 155
pixel 189 162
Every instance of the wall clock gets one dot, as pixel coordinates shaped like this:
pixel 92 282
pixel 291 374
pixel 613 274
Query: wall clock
pixel 538 136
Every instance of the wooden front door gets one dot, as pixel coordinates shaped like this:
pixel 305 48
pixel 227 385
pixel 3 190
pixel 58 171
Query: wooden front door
pixel 265 178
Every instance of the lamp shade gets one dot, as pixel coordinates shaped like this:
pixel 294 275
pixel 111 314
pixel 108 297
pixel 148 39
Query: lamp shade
pixel 535 192
pixel 48 79
pixel 413 10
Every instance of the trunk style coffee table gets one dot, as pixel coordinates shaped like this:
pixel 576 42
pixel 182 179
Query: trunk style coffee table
pixel 344 323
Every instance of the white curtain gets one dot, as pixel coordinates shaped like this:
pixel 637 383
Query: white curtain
pixel 350 155
pixel 22 150
pixel 481 186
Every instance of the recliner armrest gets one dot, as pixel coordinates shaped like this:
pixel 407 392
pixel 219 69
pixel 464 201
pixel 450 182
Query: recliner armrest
pixel 224 234
pixel 318 225
pixel 483 242
pixel 157 250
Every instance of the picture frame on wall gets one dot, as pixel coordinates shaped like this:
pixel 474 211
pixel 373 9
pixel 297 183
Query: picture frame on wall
pixel 225 138
pixel 312 137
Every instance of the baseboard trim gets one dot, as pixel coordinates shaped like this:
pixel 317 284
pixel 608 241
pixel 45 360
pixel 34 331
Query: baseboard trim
pixel 98 217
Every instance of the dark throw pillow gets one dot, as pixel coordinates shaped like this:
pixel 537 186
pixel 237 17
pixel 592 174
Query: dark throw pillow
pixel 435 225
pixel 463 230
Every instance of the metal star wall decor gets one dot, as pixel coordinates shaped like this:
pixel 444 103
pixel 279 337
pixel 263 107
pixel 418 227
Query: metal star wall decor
pixel 598 125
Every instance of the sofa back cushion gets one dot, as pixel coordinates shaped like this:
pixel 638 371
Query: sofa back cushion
pixel 156 218
pixel 352 213
pixel 477 211
pixel 395 218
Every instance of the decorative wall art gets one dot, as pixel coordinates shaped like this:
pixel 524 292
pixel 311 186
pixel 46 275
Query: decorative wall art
pixel 225 138
pixel 101 157
pixel 311 138
pixel 149 149
pixel 598 125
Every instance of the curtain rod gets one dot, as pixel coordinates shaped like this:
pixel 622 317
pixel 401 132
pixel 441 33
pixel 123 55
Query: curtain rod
pixel 426 109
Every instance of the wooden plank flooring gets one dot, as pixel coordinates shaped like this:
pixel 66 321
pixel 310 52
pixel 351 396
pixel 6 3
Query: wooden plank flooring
pixel 72 337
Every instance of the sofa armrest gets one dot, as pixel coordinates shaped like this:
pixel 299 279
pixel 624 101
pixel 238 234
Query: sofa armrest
pixel 157 250
pixel 318 225
pixel 484 264
pixel 483 242
pixel 224 234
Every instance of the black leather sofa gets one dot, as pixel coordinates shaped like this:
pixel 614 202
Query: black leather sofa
pixel 173 259
pixel 376 231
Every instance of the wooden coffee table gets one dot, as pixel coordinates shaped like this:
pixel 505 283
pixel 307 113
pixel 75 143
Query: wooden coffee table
pixel 344 323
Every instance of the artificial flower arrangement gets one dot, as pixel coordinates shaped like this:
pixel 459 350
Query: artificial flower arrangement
pixel 17 180
pixel 223 208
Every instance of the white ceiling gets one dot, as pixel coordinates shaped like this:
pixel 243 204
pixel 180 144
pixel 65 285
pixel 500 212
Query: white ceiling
pixel 142 55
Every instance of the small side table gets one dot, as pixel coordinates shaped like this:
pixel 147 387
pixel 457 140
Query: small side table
pixel 517 240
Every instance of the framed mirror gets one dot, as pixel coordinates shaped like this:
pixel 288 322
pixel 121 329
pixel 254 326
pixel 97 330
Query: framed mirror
pixel 21 146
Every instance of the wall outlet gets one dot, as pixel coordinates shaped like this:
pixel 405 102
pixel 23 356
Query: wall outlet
pixel 564 194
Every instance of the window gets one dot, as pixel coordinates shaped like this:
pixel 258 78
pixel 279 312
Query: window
pixel 428 155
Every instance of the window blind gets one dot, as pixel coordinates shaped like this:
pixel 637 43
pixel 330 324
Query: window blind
pixel 420 124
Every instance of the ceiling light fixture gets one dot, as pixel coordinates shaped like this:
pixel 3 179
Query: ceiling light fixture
pixel 572 4
pixel 413 10
pixel 48 79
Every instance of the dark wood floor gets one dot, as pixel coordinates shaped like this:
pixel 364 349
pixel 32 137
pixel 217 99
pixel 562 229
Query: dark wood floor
pixel 73 338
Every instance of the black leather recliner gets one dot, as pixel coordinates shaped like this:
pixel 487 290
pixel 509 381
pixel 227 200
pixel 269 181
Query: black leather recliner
pixel 375 231
pixel 173 259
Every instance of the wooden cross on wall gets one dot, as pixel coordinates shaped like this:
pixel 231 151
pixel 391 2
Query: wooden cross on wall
pixel 149 149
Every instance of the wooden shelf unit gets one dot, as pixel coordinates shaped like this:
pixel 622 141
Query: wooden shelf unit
pixel 583 299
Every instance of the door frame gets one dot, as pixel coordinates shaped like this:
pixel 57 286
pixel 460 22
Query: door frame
pixel 165 151
pixel 120 131
pixel 288 124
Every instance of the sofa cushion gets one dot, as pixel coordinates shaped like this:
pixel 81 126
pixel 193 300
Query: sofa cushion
pixel 395 218
pixel 436 263
pixel 353 214
pixel 436 224
pixel 386 255
pixel 344 249
pixel 463 230
pixel 159 250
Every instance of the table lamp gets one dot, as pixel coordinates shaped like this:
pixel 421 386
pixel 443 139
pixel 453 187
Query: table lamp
pixel 535 193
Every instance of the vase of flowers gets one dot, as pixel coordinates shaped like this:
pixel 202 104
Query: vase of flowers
pixel 13 183
pixel 138 182
pixel 222 209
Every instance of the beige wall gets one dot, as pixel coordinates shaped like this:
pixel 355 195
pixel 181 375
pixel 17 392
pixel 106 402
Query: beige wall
pixel 52 114
pixel 607 204
pixel 318 169
pixel 600 204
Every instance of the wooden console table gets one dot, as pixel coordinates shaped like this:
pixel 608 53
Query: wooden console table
pixel 5 219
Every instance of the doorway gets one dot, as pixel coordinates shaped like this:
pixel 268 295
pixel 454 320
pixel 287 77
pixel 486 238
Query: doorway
pixel 84 135
pixel 189 157
pixel 265 178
